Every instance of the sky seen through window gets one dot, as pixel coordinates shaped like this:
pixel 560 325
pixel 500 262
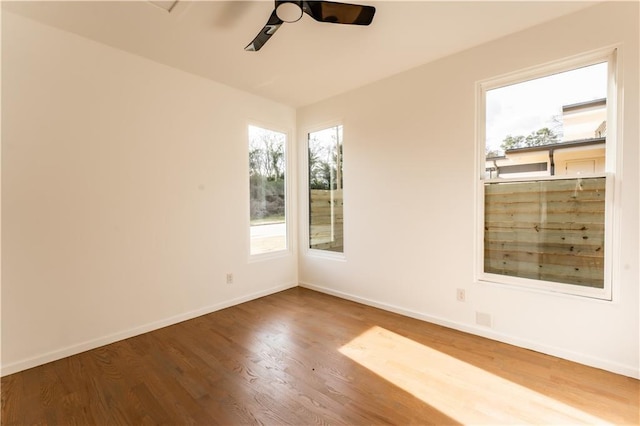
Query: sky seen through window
pixel 526 107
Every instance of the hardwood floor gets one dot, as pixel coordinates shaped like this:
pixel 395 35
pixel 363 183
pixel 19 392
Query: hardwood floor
pixel 302 357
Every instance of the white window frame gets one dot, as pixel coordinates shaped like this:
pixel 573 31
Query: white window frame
pixel 286 251
pixel 612 56
pixel 326 254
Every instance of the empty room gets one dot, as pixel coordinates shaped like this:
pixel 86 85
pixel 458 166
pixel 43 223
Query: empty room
pixel 314 212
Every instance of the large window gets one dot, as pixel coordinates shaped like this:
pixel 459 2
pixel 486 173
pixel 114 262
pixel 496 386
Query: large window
pixel 325 190
pixel 267 190
pixel 546 183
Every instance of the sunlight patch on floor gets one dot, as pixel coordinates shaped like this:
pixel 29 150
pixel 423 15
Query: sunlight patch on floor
pixel 465 393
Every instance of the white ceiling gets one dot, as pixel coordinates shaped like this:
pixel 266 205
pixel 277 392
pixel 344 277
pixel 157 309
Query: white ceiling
pixel 304 62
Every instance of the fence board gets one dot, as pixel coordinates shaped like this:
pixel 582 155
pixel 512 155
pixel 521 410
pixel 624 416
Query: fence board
pixel 586 185
pixel 542 238
pixel 548 216
pixel 544 259
pixel 557 273
pixel 550 248
pixel 567 207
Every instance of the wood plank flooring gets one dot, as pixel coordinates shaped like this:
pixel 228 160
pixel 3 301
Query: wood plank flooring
pixel 301 357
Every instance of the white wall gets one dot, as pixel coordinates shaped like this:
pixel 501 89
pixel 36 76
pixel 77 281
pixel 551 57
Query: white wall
pixel 409 208
pixel 124 195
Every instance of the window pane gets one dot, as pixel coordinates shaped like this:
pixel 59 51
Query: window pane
pixel 267 163
pixel 551 230
pixel 548 126
pixel 325 190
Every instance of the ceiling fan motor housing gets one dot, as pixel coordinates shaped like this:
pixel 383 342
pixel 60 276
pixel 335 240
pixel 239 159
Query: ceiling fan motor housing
pixel 289 11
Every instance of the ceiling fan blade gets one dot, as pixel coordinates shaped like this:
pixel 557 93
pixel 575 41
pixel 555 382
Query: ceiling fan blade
pixel 339 13
pixel 265 34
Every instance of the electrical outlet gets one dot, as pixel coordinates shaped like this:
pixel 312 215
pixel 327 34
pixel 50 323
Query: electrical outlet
pixel 229 278
pixel 460 295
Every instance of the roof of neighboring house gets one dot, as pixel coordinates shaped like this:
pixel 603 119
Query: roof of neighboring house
pixel 559 145
pixel 582 105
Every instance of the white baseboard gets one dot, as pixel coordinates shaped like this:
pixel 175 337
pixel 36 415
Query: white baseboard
pixel 57 354
pixel 630 371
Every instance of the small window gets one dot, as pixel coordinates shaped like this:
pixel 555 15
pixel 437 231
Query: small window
pixel 546 189
pixel 326 200
pixel 267 190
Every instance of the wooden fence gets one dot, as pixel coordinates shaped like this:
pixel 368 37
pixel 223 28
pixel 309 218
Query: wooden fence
pixel 326 219
pixel 550 230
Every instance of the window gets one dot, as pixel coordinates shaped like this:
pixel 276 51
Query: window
pixel 267 189
pixel 325 190
pixel 546 192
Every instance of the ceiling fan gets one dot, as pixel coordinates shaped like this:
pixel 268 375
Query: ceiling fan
pixel 322 11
